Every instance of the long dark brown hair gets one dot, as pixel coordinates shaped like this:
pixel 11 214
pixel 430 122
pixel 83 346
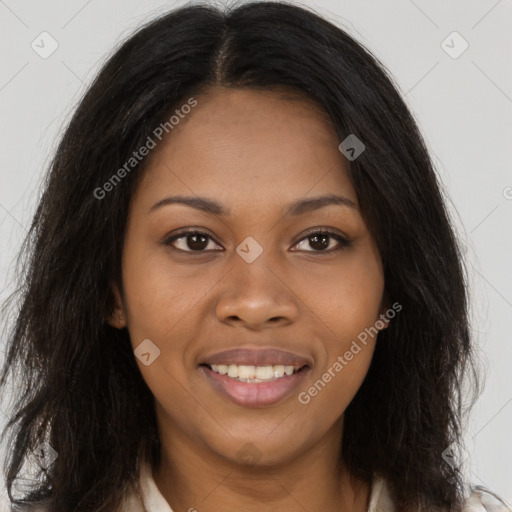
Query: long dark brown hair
pixel 75 380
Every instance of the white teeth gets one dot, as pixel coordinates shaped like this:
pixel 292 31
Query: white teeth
pixel 246 372
pixel 264 373
pixel 249 373
pixel 279 370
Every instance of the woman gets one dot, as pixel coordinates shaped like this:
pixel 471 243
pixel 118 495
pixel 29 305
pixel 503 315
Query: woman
pixel 243 290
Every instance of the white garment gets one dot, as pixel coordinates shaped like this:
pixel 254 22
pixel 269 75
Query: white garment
pixel 480 500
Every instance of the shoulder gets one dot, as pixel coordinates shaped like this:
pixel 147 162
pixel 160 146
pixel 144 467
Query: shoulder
pixel 7 506
pixel 478 499
pixel 481 499
pixel 33 507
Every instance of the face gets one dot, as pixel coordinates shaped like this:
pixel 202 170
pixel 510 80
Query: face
pixel 274 289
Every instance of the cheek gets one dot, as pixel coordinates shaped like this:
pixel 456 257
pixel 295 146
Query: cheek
pixel 160 294
pixel 347 307
pixel 331 393
pixel 346 298
pixel 175 403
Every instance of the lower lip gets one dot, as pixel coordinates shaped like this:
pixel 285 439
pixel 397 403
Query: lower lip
pixel 254 394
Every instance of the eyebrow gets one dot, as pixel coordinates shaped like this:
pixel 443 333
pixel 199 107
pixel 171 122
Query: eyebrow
pixel 298 207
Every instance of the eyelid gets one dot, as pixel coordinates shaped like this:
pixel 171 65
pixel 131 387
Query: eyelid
pixel 343 240
pixel 183 232
pixel 323 230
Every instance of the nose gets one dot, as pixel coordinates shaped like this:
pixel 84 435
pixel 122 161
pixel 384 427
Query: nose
pixel 256 296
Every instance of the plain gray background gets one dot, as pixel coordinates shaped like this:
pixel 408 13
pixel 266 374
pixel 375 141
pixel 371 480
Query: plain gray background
pixel 462 101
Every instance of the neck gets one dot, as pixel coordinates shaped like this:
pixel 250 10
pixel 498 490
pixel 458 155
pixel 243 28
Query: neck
pixel 194 478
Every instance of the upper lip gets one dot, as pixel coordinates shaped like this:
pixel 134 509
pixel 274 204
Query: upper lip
pixel 257 357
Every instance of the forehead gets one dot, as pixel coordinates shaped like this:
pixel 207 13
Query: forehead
pixel 243 145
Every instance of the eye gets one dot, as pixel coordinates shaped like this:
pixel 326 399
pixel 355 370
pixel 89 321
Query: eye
pixel 191 241
pixel 320 241
pixel 198 241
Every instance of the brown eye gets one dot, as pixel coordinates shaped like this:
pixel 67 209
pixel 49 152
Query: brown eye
pixel 190 241
pixel 199 241
pixel 321 241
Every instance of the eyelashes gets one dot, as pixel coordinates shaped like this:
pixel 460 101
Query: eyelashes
pixel 197 241
pixel 319 236
pixel 199 237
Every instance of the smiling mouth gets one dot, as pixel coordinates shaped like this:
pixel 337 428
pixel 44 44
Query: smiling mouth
pixel 254 386
pixel 255 374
